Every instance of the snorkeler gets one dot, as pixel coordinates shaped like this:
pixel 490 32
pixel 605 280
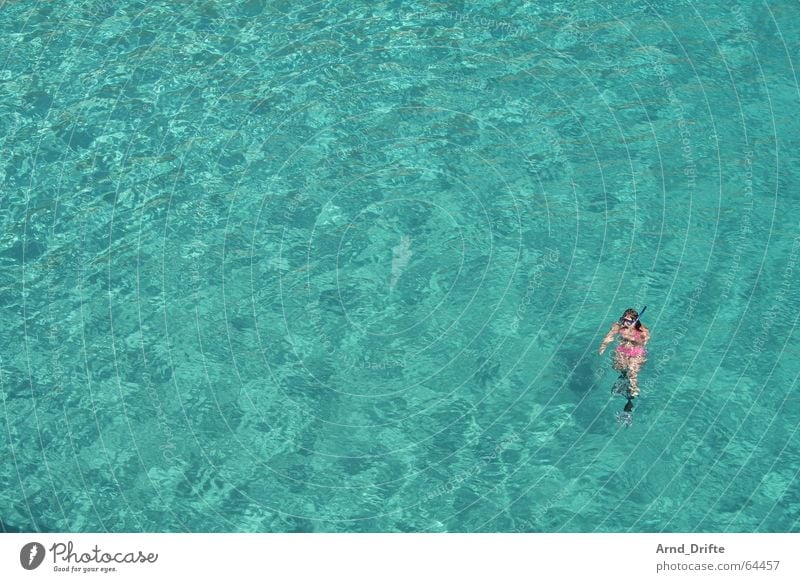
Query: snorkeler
pixel 631 352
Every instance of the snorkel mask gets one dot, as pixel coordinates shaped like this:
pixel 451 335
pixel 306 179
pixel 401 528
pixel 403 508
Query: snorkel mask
pixel 627 322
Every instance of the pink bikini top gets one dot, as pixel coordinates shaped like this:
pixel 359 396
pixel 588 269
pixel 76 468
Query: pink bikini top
pixel 636 331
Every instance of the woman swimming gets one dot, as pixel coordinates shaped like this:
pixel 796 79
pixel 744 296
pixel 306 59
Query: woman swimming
pixel 631 353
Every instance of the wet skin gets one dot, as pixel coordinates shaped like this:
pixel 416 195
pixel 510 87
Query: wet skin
pixel 629 338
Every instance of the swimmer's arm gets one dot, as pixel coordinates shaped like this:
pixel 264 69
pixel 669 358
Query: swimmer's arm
pixel 609 337
pixel 645 335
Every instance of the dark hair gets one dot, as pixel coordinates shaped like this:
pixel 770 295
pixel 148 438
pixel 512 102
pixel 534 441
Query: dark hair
pixel 630 312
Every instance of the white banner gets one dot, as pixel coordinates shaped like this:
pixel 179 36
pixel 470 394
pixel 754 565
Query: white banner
pixel 388 557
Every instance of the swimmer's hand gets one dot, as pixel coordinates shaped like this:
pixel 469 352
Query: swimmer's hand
pixel 609 337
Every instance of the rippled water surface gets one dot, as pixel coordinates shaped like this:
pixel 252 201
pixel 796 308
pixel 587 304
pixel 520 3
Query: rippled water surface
pixel 281 266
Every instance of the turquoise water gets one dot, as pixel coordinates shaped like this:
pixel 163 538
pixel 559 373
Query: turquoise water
pixel 280 266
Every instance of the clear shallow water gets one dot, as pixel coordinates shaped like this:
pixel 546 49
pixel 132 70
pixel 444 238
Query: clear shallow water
pixel 345 267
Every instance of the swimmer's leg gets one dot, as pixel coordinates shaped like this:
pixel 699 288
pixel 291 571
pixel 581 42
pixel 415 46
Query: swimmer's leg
pixel 634 365
pixel 622 385
pixel 620 362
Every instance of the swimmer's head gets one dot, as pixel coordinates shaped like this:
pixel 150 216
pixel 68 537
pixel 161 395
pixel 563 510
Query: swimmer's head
pixel 629 317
